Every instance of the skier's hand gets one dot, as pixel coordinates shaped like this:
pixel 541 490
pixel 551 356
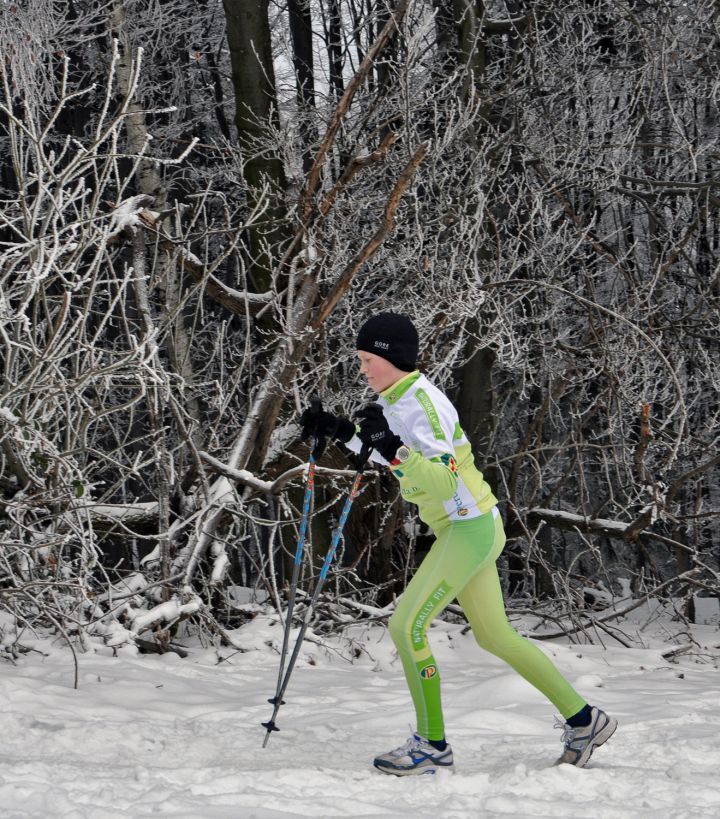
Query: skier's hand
pixel 375 432
pixel 321 424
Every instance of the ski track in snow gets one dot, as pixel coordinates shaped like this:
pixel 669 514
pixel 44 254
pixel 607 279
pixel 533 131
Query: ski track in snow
pixel 163 736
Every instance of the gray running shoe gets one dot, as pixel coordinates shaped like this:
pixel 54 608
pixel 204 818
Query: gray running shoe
pixel 416 756
pixel 581 742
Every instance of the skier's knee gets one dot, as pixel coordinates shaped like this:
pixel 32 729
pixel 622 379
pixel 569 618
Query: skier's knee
pixel 500 643
pixel 399 631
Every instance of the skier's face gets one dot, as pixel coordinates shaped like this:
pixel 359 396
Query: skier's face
pixel 379 372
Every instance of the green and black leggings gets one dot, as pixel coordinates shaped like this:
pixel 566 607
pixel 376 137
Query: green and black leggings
pixel 461 564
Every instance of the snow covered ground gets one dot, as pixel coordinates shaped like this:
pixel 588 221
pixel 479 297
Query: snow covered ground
pixel 165 736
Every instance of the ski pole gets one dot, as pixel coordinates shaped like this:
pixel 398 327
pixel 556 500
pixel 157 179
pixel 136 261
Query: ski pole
pixel 307 500
pixel 332 548
pixel 318 447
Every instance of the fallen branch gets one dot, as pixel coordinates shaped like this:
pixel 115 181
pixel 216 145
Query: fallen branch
pixel 568 520
pixel 168 612
pixel 671 653
pixel 612 615
pixel 152 647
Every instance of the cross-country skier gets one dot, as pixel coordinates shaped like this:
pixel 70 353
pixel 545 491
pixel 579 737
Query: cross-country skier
pixel 414 430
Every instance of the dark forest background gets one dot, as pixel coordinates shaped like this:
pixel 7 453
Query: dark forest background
pixel 201 202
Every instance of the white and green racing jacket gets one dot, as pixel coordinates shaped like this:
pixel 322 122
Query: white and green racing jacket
pixel 440 475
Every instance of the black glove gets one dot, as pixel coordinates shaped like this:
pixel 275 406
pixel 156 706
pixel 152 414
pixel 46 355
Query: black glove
pixel 375 432
pixel 317 422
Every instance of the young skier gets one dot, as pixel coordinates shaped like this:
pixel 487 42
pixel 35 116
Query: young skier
pixel 414 430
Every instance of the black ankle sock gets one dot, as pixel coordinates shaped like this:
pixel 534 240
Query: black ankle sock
pixel 581 719
pixel 440 744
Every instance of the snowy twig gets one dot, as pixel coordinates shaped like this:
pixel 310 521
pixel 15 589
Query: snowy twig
pixel 621 612
pixel 245 478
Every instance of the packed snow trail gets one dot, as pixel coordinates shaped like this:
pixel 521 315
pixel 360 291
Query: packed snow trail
pixel 163 736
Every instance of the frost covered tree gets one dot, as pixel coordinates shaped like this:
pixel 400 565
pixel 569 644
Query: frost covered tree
pixel 199 210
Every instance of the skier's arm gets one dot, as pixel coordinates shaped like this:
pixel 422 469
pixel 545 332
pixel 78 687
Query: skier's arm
pixel 436 475
pixel 431 465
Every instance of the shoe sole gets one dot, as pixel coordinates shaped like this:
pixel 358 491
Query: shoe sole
pixel 599 739
pixel 418 771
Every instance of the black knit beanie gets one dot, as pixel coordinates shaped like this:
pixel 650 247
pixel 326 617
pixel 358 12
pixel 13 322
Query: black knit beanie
pixel 393 337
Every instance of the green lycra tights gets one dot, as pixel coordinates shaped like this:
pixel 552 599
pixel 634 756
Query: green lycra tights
pixel 461 563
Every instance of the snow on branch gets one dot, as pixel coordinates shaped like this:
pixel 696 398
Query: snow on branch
pixel 246 478
pixel 166 613
pixel 126 214
pixel 600 526
pixel 568 520
pixel 236 301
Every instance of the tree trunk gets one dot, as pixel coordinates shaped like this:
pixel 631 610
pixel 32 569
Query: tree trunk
pixel 334 35
pixel 258 123
pixel 301 34
pixel 476 402
pixel 469 15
